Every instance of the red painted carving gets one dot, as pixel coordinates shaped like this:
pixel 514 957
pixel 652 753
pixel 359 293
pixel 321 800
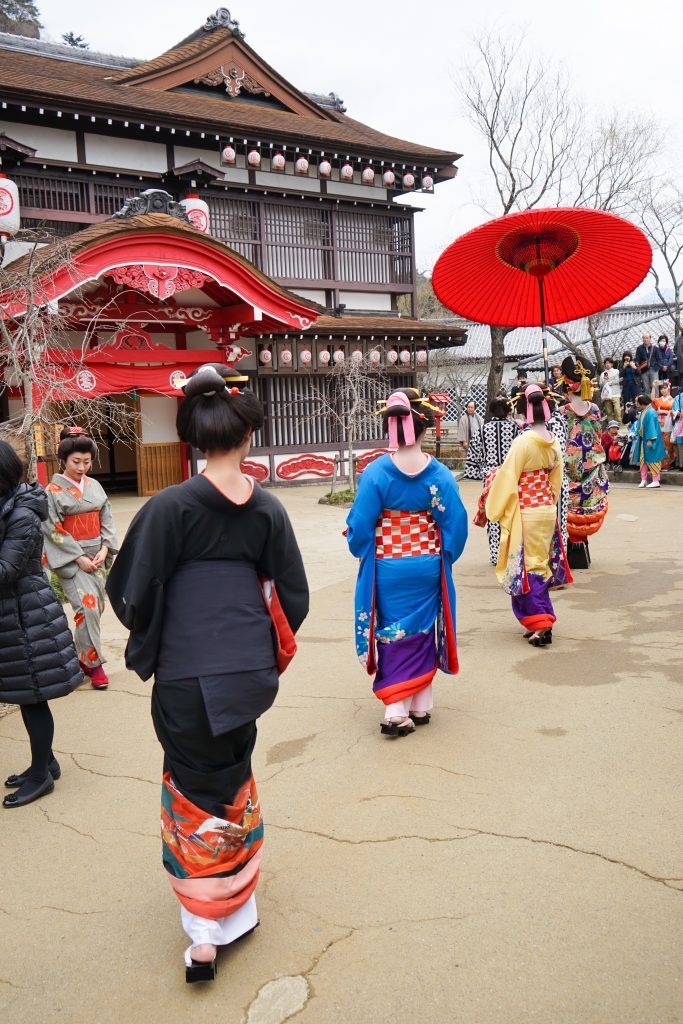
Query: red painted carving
pixel 366 458
pixel 160 281
pixel 255 469
pixel 301 465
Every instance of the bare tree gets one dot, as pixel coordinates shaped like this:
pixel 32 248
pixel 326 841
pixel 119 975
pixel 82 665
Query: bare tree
pixel 660 208
pixel 543 150
pixel 49 391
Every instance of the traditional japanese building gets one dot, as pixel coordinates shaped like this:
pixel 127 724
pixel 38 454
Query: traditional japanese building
pixel 217 205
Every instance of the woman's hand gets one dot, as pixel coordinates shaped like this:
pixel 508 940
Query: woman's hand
pixel 86 564
pixel 101 556
pixel 649 443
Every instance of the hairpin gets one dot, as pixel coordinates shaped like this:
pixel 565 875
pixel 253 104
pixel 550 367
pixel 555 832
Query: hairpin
pixel 233 391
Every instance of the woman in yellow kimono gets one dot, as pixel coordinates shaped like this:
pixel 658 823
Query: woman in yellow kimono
pixel 80 544
pixel 523 499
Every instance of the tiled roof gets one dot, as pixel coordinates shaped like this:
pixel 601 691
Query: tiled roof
pixel 72 81
pixel 389 327
pixel 620 328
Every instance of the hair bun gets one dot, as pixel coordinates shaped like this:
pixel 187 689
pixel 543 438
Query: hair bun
pixel 536 398
pixel 206 381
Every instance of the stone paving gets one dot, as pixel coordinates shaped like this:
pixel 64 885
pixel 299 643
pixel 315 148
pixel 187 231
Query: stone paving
pixel 518 861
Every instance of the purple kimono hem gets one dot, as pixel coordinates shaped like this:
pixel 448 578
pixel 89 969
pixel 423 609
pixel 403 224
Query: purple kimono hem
pixel 403 662
pixel 534 609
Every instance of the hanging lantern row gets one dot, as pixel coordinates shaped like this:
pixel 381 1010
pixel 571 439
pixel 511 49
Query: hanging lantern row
pixel 302 167
pixel 10 214
pixel 329 357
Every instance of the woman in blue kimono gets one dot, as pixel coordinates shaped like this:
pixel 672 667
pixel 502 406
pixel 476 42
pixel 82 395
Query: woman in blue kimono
pixel 408 525
pixel 648 449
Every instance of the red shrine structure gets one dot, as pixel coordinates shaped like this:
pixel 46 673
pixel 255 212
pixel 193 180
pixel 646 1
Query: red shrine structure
pixel 213 212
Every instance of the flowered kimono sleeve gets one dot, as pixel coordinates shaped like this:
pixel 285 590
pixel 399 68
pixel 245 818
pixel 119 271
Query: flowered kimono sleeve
pixel 61 550
pixel 503 500
pixel 362 519
pixel 450 515
pixel 107 529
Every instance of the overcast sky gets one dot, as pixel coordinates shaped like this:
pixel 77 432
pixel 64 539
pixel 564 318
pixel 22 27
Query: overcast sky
pixel 395 64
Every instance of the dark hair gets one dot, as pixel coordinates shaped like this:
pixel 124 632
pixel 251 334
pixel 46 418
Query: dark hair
pixel 535 399
pixel 663 337
pixel 643 400
pixel 11 469
pixel 626 353
pixel 556 366
pixel 608 359
pixel 499 408
pixel 215 416
pixel 423 415
pixel 74 439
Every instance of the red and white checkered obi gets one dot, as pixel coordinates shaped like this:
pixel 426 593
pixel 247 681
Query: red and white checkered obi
pixel 534 489
pixel 402 534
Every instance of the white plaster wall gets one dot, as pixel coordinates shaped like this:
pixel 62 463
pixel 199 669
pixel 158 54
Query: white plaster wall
pixel 353 191
pixel 185 155
pixel 50 143
pixel 287 182
pixel 157 418
pixel 378 301
pixel 125 153
pixel 312 294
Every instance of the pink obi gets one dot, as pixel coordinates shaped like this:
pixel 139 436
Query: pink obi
pixel 534 489
pixel 399 534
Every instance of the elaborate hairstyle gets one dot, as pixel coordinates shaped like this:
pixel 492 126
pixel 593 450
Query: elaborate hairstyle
pixel 406 413
pixel 533 405
pixel 217 411
pixel 11 469
pixel 577 374
pixel 74 439
pixel 499 408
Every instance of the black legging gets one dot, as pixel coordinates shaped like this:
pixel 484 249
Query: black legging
pixel 40 727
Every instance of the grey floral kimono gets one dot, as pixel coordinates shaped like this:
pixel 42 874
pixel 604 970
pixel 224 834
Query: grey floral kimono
pixel 79 524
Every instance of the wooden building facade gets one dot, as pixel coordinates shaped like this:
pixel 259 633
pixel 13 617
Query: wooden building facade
pixel 296 189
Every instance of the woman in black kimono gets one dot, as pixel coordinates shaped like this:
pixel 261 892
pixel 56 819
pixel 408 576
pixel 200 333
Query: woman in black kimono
pixel 211 585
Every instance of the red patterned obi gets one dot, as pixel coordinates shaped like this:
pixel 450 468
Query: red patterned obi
pixel 534 489
pixel 83 525
pixel 399 534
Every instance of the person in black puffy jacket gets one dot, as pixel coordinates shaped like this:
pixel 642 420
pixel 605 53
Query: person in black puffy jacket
pixel 39 660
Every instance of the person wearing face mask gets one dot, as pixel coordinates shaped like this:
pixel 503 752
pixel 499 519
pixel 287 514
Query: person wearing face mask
pixel 665 357
pixel 647 361
pixel 80 544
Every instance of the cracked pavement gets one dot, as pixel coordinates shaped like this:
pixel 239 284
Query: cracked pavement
pixel 516 862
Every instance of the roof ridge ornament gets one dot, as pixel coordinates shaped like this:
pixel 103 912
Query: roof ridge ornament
pixel 223 19
pixel 152 200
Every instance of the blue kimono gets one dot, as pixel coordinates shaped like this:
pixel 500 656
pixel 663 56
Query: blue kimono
pixel 407 532
pixel 647 429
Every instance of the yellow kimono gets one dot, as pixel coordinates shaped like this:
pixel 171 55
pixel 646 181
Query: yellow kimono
pixel 523 499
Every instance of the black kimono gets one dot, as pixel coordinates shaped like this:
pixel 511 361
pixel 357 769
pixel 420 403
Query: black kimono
pixel 188 584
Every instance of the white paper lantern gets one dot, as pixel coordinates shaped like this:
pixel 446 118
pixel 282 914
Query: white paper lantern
pixel 266 356
pixel 428 183
pixel 305 357
pixel 324 357
pixel 405 356
pixel 324 168
pixel 10 214
pixel 346 173
pixel 301 166
pixel 392 356
pixel 408 180
pixel 375 357
pixel 197 211
pixel 278 162
pixel 388 178
pixel 422 356
pixel 357 356
pixel 286 357
pixel 229 155
pixel 254 158
pixel 339 356
pixel 368 176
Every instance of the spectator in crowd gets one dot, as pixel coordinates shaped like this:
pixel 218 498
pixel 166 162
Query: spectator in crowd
pixel 630 379
pixel 520 386
pixel 630 413
pixel 609 435
pixel 648 446
pixel 662 400
pixel 677 432
pixel 665 357
pixel 647 361
pixel 610 391
pixel 470 427
pixel 678 360
pixel 556 381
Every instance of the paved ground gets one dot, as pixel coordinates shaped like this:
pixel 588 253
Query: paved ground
pixel 517 861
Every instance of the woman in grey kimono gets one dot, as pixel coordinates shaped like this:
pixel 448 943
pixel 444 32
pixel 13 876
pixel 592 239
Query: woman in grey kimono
pixel 80 544
pixel 470 426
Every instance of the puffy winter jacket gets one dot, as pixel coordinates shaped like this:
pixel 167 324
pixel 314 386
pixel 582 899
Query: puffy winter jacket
pixel 38 660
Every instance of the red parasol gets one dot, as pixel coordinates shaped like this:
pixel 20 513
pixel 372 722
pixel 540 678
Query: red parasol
pixel 542 266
